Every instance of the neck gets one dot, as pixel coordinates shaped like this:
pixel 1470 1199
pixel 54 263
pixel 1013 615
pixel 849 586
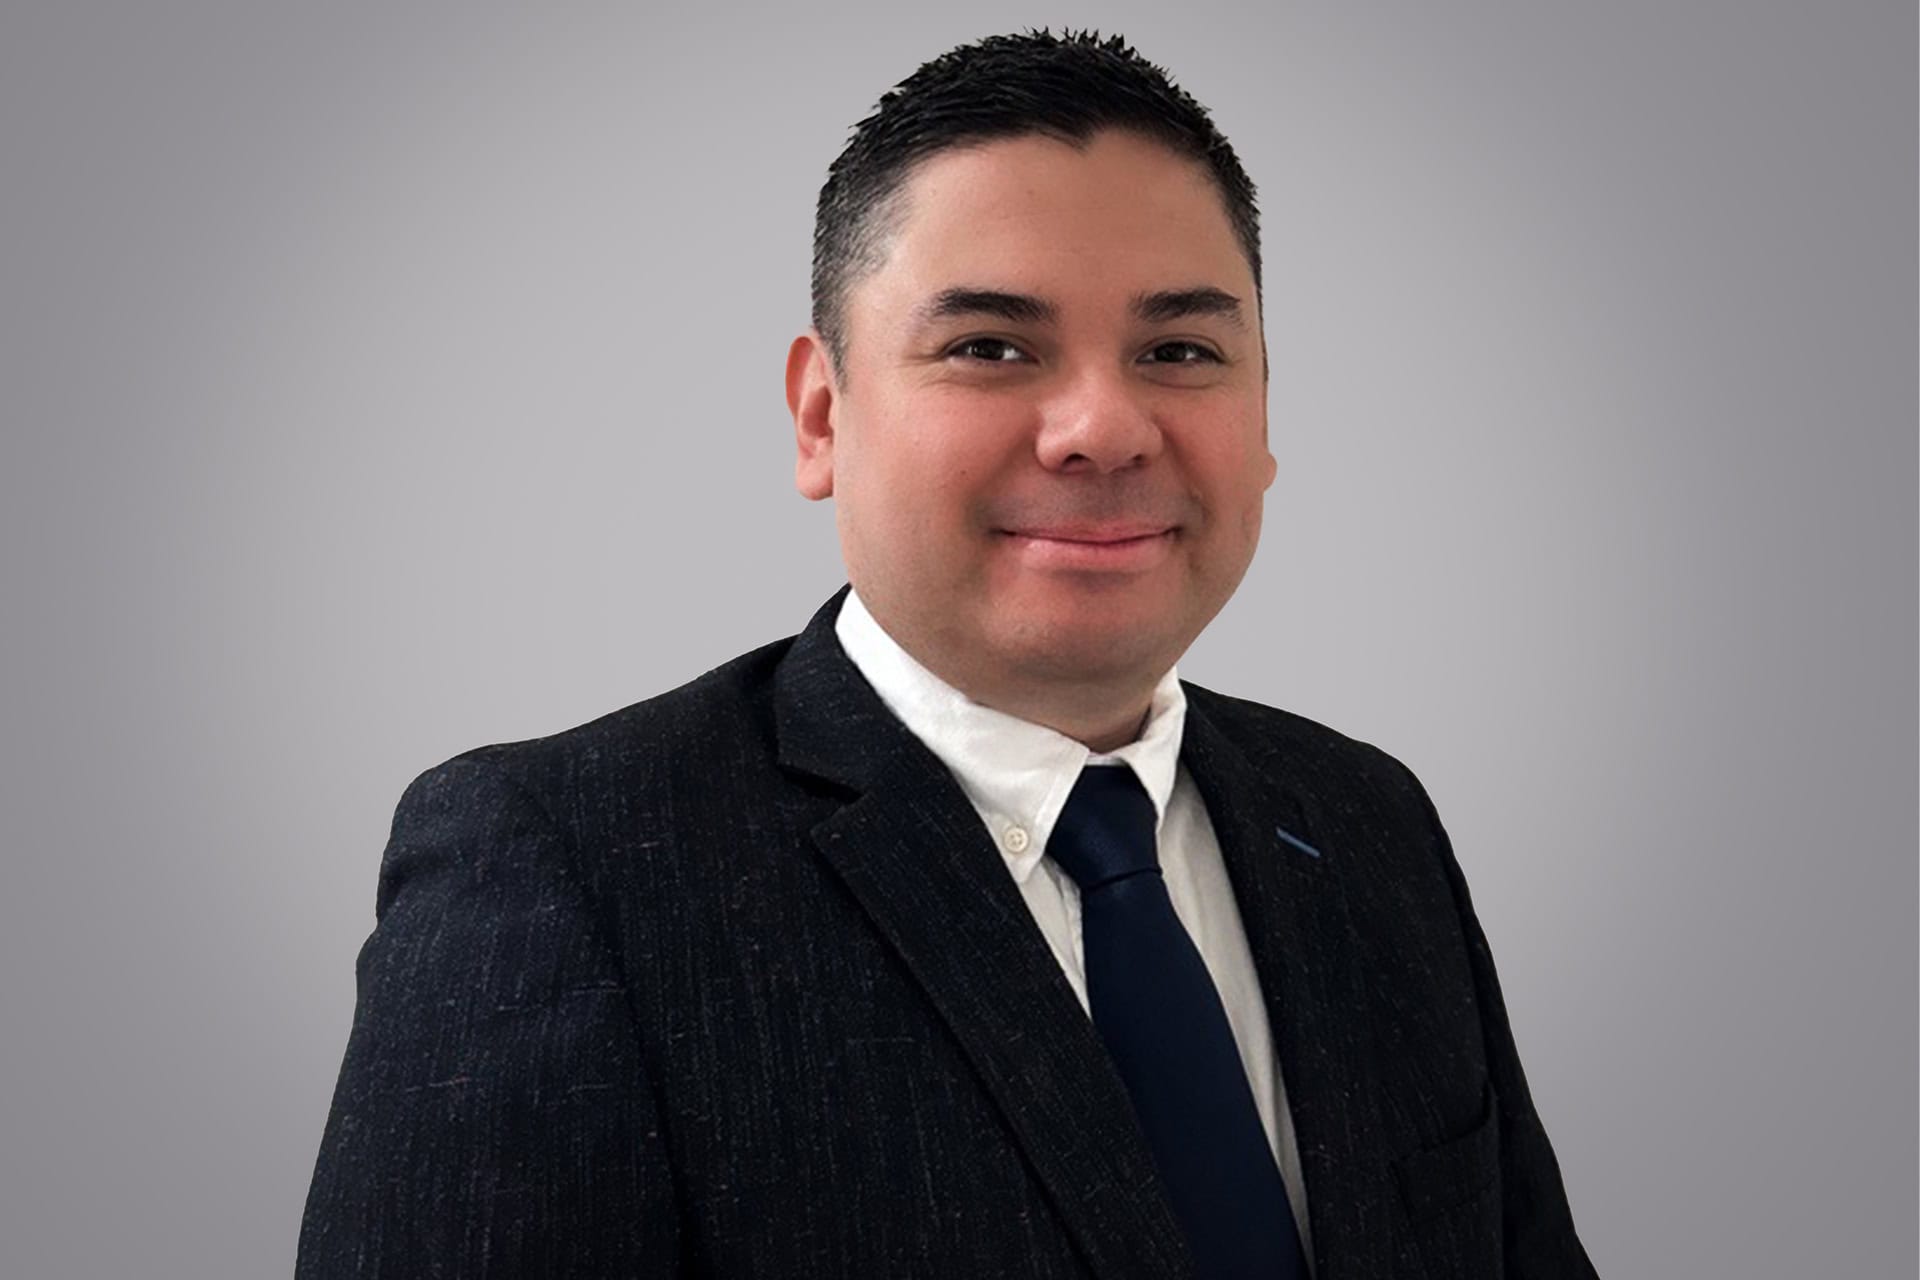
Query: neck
pixel 1103 714
pixel 1103 717
pixel 1103 709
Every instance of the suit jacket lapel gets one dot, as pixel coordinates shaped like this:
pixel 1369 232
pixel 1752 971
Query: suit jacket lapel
pixel 1287 882
pixel 915 855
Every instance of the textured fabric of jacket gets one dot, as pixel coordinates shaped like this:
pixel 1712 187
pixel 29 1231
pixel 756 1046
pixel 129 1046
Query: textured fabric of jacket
pixel 732 982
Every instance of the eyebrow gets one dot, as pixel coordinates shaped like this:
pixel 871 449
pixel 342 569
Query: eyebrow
pixel 1178 304
pixel 1014 308
pixel 1024 308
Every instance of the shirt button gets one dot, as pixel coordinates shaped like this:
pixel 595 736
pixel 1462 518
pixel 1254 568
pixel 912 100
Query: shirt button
pixel 1016 839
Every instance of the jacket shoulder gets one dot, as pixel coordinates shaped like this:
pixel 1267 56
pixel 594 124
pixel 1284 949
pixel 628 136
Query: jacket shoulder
pixel 1293 747
pixel 721 713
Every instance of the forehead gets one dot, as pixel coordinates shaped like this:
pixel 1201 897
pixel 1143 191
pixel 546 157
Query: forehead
pixel 1118 216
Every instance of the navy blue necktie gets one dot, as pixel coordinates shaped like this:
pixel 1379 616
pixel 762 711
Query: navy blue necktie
pixel 1155 1006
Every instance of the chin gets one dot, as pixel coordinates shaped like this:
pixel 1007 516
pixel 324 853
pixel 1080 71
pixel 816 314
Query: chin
pixel 1080 650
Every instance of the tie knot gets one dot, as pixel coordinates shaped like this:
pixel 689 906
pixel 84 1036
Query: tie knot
pixel 1105 833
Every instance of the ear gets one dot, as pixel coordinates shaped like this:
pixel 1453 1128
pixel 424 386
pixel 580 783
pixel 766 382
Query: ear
pixel 813 399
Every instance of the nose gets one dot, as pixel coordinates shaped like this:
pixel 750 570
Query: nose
pixel 1098 423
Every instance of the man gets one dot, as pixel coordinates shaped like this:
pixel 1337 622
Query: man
pixel 956 936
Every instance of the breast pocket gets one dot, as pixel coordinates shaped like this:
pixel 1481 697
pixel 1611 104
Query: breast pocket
pixel 1450 1204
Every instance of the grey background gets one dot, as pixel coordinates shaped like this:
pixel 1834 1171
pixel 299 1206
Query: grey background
pixel 380 383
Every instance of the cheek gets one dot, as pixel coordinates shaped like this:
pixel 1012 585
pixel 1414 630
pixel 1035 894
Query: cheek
pixel 1240 478
pixel 1250 526
pixel 916 488
pixel 949 456
pixel 1235 462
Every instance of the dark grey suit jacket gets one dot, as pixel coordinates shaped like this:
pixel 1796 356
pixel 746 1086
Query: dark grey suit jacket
pixel 733 983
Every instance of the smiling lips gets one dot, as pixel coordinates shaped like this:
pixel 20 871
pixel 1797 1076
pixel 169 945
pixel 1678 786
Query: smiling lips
pixel 1122 548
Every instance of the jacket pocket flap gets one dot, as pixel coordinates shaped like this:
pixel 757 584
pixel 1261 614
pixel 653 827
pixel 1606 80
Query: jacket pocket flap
pixel 1437 1178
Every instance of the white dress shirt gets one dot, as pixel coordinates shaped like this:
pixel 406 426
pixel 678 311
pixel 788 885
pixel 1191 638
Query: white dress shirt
pixel 1017 774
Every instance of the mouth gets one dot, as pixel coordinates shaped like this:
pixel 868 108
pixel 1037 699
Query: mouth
pixel 1106 535
pixel 1128 548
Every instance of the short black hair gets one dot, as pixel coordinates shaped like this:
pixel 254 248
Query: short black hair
pixel 1069 87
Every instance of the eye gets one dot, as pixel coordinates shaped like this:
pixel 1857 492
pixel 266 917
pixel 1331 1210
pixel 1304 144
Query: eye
pixel 1181 353
pixel 987 351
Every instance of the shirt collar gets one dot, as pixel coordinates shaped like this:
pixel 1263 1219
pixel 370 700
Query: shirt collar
pixel 1016 773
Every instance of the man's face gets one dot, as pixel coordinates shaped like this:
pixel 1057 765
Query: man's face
pixel 1047 442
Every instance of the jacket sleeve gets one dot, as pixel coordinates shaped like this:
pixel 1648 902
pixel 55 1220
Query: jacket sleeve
pixel 492 1117
pixel 1539 1238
